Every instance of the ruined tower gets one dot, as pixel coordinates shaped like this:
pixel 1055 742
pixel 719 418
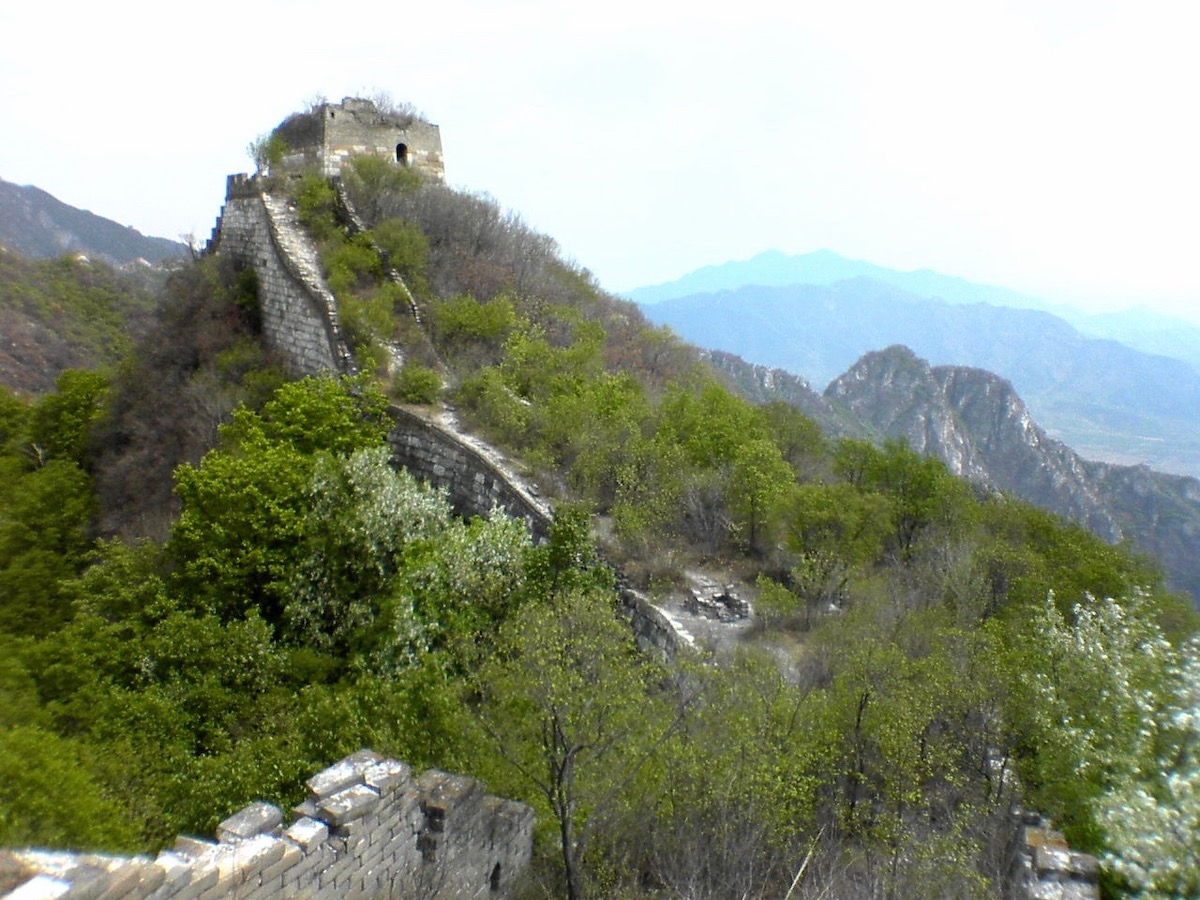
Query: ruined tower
pixel 330 133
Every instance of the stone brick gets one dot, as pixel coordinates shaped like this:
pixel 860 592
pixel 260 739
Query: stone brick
pixel 342 774
pixel 388 776
pixel 40 887
pixel 192 847
pixel 257 818
pixel 307 833
pixel 345 806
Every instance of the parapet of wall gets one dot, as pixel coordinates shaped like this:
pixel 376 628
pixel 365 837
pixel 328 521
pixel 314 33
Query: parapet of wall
pixel 299 312
pixel 476 480
pixel 367 829
pixel 300 320
pixel 473 474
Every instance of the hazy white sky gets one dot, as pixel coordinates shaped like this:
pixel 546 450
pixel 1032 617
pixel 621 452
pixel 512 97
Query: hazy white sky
pixel 1047 145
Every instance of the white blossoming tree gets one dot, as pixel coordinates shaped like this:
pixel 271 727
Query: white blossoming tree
pixel 1119 714
pixel 1153 819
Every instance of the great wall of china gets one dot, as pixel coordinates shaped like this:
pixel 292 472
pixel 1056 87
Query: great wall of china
pixel 369 827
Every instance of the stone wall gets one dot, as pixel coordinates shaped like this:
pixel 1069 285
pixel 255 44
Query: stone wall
pixel 1044 866
pixel 476 480
pixel 299 313
pixel 367 829
pixel 472 473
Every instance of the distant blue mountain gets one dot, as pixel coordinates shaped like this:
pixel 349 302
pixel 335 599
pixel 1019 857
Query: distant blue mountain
pixel 1141 329
pixel 775 268
pixel 1106 400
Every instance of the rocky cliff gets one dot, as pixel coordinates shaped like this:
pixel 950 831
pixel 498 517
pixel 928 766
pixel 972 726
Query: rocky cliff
pixel 976 423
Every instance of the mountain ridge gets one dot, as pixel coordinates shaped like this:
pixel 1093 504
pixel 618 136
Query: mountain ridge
pixel 38 225
pixel 977 424
pixel 1106 400
pixel 1139 328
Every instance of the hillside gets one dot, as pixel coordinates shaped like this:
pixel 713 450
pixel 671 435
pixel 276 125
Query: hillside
pixel 1104 399
pixel 38 225
pixel 66 313
pixel 904 660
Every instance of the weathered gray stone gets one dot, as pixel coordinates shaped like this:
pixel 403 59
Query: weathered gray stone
pixel 257 818
pixel 192 847
pixel 40 887
pixel 388 776
pixel 342 774
pixel 347 805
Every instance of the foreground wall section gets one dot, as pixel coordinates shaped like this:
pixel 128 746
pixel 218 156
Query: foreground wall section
pixel 369 828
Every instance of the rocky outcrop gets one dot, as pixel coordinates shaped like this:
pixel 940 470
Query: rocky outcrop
pixel 1044 865
pixel 974 421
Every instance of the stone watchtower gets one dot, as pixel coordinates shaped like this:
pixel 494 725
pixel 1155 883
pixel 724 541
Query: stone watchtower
pixel 329 134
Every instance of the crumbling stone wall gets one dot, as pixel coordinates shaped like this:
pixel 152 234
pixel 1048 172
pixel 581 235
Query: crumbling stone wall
pixel 1044 866
pixel 367 829
pixel 299 313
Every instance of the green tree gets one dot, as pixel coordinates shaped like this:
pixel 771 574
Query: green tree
pixel 59 423
pixel 567 702
pixel 831 531
pixel 49 799
pixel 759 477
pixel 240 531
pixel 44 518
pixel 923 493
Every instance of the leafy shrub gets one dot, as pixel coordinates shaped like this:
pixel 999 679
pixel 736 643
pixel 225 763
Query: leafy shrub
pixel 351 264
pixel 415 383
pixel 316 202
pixel 406 250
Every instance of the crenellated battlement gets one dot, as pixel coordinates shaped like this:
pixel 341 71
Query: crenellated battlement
pixel 368 828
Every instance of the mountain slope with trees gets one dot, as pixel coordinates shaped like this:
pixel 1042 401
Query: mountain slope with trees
pixel 976 423
pixel 66 313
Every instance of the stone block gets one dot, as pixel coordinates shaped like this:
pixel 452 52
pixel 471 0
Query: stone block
pixel 88 882
pixel 253 855
pixel 135 876
pixel 342 774
pixel 191 847
pixel 1052 861
pixel 306 809
pixel 308 834
pixel 40 887
pixel 255 819
pixel 347 805
pixel 200 879
pixel 177 872
pixel 291 857
pixel 388 776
